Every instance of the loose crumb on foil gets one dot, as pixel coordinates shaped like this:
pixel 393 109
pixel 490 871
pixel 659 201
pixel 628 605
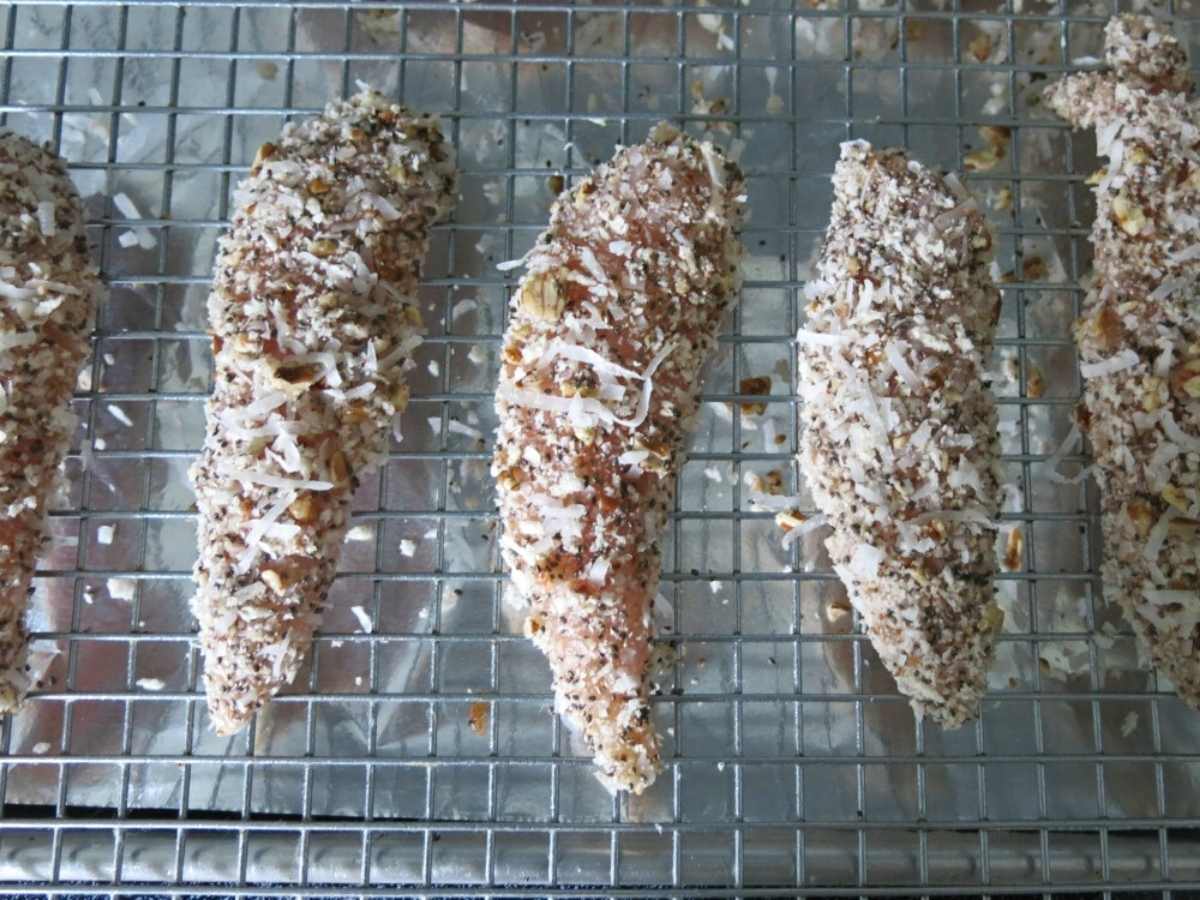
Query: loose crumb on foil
pixel 121 588
pixel 119 414
pixel 360 533
pixel 363 617
pixel 1129 724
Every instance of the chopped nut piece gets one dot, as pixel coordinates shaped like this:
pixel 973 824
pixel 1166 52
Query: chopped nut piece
pixel 981 160
pixel 998 136
pixel 541 299
pixel 304 509
pixel 298 376
pixel 1014 550
pixel 789 519
pixel 1107 328
pixel 1129 215
pixel 980 48
pixel 1035 385
pixel 477 717
pixel 323 247
pixel 1034 268
pixel 1185 380
pixel 511 478
pixel 837 610
pixel 755 387
pixel 275 581
pixel 1142 515
pixel 338 467
pixel 317 187
pixel 1176 497
pixel 265 152
pixel 399 397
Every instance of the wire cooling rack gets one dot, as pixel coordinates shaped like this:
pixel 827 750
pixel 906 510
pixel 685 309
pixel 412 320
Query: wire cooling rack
pixel 420 756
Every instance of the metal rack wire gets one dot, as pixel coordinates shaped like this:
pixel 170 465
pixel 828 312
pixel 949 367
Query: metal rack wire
pixel 420 756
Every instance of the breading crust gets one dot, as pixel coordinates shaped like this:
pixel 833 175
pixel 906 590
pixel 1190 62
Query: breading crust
pixel 1139 334
pixel 600 381
pixel 314 320
pixel 898 426
pixel 49 291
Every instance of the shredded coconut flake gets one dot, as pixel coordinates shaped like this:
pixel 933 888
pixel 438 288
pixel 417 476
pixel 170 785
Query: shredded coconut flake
pixel 456 427
pixel 865 561
pixel 45 216
pixel 260 527
pixel 810 524
pixel 125 206
pixel 804 336
pixel 268 480
pixel 121 588
pixel 119 414
pixel 1188 442
pixel 364 620
pixel 1126 359
pixel 895 355
pixel 1129 724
